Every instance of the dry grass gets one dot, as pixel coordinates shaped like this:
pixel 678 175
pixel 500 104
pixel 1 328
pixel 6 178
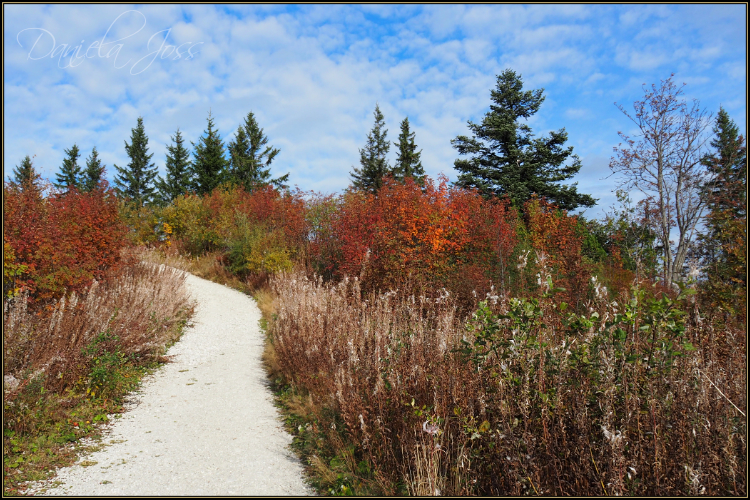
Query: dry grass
pixel 141 313
pixel 168 256
pixel 558 406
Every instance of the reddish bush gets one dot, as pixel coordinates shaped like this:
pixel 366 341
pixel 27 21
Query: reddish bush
pixel 430 236
pixel 65 240
pixel 554 236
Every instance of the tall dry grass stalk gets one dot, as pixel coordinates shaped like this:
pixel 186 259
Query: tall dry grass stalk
pixel 141 311
pixel 520 398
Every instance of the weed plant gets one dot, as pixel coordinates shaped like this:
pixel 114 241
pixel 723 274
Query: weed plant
pixel 522 397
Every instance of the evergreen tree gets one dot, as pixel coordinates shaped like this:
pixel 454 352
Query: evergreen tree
pixel 507 159
pixel 179 171
pixel 408 163
pixel 372 158
pixel 136 181
pixel 93 174
pixel 250 158
pixel 724 245
pixel 209 164
pixel 70 172
pixel 24 174
pixel 728 166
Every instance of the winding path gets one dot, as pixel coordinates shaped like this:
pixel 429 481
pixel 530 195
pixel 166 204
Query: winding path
pixel 204 424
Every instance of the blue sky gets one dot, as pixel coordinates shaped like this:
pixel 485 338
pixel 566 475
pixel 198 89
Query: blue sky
pixel 313 74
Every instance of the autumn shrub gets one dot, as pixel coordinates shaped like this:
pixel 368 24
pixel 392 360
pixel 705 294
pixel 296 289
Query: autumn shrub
pixel 322 250
pixel 254 249
pixel 411 237
pixel 524 396
pixel 63 241
pixel 555 237
pixel 256 233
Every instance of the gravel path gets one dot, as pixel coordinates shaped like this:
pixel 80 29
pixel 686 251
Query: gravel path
pixel 202 425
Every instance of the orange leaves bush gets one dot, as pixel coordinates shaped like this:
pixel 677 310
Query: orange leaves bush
pixel 553 232
pixel 409 235
pixel 65 240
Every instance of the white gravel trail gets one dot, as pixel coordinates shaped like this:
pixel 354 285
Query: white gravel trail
pixel 201 425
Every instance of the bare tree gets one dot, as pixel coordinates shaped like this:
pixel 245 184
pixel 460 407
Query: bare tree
pixel 663 161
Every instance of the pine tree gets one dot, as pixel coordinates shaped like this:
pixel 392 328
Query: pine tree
pixel 728 166
pixel 179 171
pixel 372 158
pixel 93 174
pixel 408 163
pixel 70 172
pixel 724 245
pixel 209 164
pixel 25 175
pixel 508 160
pixel 250 158
pixel 136 181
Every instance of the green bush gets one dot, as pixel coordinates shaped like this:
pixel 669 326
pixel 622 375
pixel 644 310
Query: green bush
pixel 253 249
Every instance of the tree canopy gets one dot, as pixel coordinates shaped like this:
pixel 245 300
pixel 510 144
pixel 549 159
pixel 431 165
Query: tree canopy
pixel 373 164
pixel 70 172
pixel 136 180
pixel 93 173
pixel 506 159
pixel 209 163
pixel 250 158
pixel 408 163
pixel 179 170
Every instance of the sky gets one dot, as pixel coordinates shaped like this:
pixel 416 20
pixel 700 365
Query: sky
pixel 312 75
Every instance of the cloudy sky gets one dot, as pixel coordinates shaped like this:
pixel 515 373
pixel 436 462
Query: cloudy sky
pixel 312 75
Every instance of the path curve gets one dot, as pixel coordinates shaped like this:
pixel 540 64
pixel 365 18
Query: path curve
pixel 204 424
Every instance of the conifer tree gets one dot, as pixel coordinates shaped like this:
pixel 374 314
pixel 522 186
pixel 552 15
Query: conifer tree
pixel 136 181
pixel 70 172
pixel 507 159
pixel 179 171
pixel 724 245
pixel 209 163
pixel 24 174
pixel 93 174
pixel 408 163
pixel 374 166
pixel 250 158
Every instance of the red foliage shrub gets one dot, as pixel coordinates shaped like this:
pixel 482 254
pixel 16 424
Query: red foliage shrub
pixel 554 233
pixel 411 236
pixel 66 240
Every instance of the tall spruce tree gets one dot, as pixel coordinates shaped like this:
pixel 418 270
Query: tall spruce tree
pixel 209 163
pixel 93 174
pixel 25 175
pixel 408 162
pixel 724 244
pixel 374 166
pixel 179 171
pixel 507 159
pixel 250 158
pixel 70 172
pixel 136 181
